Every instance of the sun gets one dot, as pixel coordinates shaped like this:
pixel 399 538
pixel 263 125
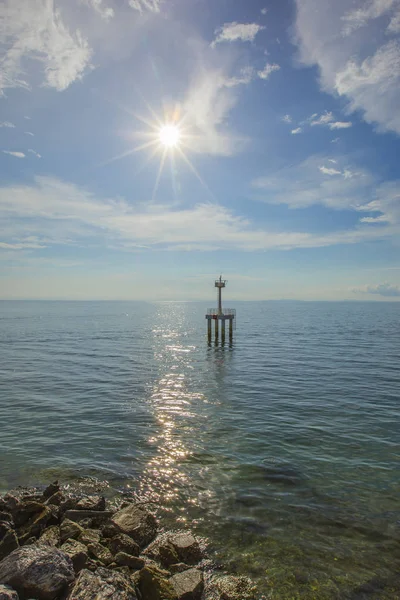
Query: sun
pixel 169 136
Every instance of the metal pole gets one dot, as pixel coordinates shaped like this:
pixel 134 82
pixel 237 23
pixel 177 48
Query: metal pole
pixel 220 301
pixel 216 329
pixel 230 329
pixel 223 331
pixel 209 329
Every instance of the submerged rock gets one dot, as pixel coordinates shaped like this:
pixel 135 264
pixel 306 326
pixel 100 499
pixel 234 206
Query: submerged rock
pixel 102 585
pixel 154 584
pixel 6 593
pixel 37 572
pixel 188 585
pixel 234 588
pixel 136 522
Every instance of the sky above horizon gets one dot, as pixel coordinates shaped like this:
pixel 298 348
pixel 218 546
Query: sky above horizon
pixel 149 145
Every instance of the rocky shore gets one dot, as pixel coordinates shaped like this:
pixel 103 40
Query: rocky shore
pixel 61 545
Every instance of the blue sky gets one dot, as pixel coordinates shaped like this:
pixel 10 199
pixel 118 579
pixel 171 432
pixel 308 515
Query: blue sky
pixel 285 173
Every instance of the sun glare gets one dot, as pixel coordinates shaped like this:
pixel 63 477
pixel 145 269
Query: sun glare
pixel 170 136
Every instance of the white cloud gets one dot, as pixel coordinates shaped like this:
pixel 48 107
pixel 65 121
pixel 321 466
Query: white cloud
pixel 335 140
pixel 287 119
pixel 387 290
pixel 332 160
pixel 20 246
pixel 324 119
pixel 105 12
pixel 380 219
pixel 35 153
pixel 235 32
pixel 34 29
pixel 7 124
pixel 329 171
pixel 146 5
pixel 264 11
pixel 359 17
pixel 394 25
pixel 245 76
pixel 296 131
pixel 209 100
pixel 16 154
pixel 57 212
pixel 361 66
pixel 29 133
pixel 340 125
pixel 267 70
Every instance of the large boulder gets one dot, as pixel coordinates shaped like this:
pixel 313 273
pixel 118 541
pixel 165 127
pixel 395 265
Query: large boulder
pixel 37 572
pixel 136 522
pixel 188 585
pixel 102 585
pixel 6 593
pixel 186 547
pixel 154 584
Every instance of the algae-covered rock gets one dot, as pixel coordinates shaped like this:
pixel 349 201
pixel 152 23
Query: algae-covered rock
pixel 77 552
pixel 188 585
pixel 34 526
pixel 126 560
pixel 70 530
pixel 230 587
pixel 103 584
pixel 154 584
pixel 7 593
pixel 136 522
pixel 123 543
pixel 100 552
pixel 92 503
pixel 51 489
pixel 51 536
pixel 89 536
pixel 167 555
pixel 186 547
pixel 37 572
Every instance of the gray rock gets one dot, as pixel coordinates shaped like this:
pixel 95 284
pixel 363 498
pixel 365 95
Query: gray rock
pixel 56 499
pixel 136 522
pixel 187 547
pixel 37 572
pixel 126 560
pixel 6 593
pixel 102 585
pixel 25 510
pixel 188 585
pixel 6 517
pixel 9 503
pixel 100 516
pixel 92 503
pixel 51 536
pixel 154 584
pixel 101 553
pixel 89 536
pixel 123 543
pixel 77 552
pixel 69 530
pixel 8 543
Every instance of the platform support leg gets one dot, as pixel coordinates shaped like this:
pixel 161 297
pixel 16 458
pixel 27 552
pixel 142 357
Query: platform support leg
pixel 209 329
pixel 230 330
pixel 216 330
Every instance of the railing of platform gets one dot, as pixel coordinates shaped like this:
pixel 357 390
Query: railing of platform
pixel 225 311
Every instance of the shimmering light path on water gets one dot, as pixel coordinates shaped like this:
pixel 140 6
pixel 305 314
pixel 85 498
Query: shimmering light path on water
pixel 283 449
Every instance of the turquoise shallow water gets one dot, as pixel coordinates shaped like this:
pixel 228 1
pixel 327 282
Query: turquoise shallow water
pixel 282 448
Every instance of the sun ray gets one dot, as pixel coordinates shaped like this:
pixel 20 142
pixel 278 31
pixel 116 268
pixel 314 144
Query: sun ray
pixel 129 152
pixel 160 169
pixel 194 170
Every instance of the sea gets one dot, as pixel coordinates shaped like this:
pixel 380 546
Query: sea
pixel 281 448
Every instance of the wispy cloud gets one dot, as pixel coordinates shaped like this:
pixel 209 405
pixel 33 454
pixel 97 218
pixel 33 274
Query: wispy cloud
pixel 16 154
pixel 323 119
pixel 7 124
pixel 267 70
pixel 287 119
pixel 340 125
pixel 29 133
pixel 146 5
pixel 104 12
pixel 35 30
pixel 329 171
pixel 386 290
pixel 362 67
pixel 236 32
pixel 35 153
pixel 296 131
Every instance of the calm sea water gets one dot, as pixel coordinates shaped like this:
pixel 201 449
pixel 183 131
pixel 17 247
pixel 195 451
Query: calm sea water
pixel 283 448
